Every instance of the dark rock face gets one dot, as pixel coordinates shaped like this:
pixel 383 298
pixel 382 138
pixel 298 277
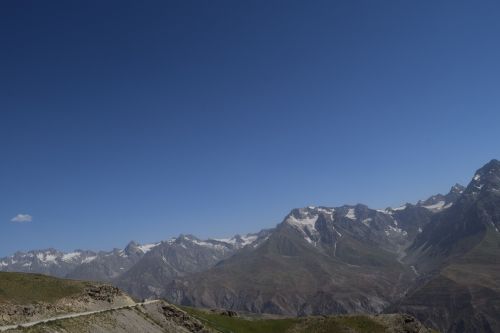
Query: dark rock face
pixel 182 319
pixel 226 313
pixel 102 293
pixel 449 306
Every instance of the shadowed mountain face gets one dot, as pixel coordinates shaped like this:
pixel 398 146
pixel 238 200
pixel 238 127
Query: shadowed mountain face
pixel 459 250
pixel 457 230
pixel 177 257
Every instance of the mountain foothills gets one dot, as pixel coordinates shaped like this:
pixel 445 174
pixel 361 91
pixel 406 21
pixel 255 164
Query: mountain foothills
pixel 438 260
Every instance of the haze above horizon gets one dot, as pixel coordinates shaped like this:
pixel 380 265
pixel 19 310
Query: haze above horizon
pixel 122 120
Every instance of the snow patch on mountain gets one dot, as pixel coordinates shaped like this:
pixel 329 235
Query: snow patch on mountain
pixel 248 239
pixel 387 211
pixel 47 258
pixel 399 208
pixel 208 244
pixel 306 224
pixel 303 223
pixel 147 247
pixel 395 230
pixel 438 206
pixel 367 221
pixel 239 240
pixel 89 259
pixel 326 211
pixel 71 256
pixel 351 214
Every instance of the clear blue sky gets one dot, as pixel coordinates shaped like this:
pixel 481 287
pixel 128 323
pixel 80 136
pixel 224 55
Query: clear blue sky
pixel 141 120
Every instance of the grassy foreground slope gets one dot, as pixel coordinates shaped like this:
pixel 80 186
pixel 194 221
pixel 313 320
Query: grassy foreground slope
pixel 21 288
pixel 33 303
pixel 32 297
pixel 352 324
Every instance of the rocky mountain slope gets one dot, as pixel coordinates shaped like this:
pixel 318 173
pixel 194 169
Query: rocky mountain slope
pixel 336 260
pixel 458 254
pixel 179 257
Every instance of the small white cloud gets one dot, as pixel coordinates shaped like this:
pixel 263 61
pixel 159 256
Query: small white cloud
pixel 20 218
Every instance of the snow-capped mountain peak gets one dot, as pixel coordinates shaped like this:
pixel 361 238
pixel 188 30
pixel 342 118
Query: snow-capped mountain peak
pixel 486 179
pixel 240 241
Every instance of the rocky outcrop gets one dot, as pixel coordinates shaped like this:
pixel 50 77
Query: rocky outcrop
pixel 157 317
pixel 103 293
pixel 226 313
pixel 181 318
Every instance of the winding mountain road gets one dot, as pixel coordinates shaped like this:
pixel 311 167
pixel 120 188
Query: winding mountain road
pixel 70 315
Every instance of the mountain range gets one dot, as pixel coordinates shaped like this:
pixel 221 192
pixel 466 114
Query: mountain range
pixel 437 259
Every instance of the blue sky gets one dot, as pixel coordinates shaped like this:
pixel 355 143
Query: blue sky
pixel 126 120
